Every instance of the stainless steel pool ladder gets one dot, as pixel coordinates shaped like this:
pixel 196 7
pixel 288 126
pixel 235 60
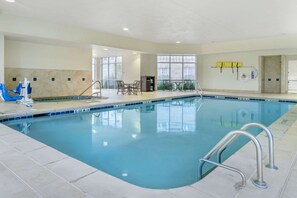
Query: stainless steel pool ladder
pixel 199 89
pixel 245 127
pixel 229 139
pixel 97 88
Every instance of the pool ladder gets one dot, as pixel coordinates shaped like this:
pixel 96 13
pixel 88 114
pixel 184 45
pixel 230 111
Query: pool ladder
pixel 199 89
pixel 228 139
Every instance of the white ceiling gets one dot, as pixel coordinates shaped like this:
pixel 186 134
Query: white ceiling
pixel 102 51
pixel 168 21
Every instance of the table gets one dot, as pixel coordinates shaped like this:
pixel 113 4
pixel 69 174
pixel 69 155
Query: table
pixel 129 88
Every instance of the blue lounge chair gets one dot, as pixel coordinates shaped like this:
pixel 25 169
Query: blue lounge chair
pixel 4 94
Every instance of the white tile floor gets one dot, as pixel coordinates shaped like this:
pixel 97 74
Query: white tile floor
pixel 31 169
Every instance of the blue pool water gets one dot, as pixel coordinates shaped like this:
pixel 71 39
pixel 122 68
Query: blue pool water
pixel 152 145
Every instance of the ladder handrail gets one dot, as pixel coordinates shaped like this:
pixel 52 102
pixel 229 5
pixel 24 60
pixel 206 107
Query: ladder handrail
pixel 199 89
pixel 259 182
pixel 243 177
pixel 270 143
pixel 97 81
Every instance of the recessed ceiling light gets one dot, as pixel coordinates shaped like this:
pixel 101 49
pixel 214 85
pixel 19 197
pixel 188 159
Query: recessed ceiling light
pixel 105 49
pixel 134 53
pixel 10 1
pixel 177 42
pixel 126 29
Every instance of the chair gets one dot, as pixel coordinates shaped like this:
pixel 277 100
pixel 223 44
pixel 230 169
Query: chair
pixel 121 87
pixel 5 96
pixel 136 88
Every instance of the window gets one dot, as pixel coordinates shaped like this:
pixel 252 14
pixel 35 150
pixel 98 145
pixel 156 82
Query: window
pixel 176 67
pixel 111 71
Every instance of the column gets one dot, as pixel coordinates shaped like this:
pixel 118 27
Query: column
pixel 1 58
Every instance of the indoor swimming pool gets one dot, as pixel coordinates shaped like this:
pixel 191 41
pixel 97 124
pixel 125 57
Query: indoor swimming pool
pixel 154 145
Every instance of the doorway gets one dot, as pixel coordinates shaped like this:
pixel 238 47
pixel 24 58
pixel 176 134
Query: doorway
pixel 292 76
pixel 271 74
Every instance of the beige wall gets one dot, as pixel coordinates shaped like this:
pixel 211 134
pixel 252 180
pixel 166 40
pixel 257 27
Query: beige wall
pixel 1 58
pixel 212 79
pixel 131 68
pixel 65 83
pixel 19 54
pixel 148 65
pixel 44 62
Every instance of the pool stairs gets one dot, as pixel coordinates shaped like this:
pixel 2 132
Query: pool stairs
pixel 228 139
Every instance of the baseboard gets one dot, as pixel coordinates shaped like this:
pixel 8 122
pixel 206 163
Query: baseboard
pixel 232 91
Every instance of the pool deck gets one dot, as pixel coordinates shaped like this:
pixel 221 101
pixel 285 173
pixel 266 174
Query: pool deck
pixel 29 168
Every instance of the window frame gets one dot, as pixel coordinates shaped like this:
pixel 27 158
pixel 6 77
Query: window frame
pixel 183 62
pixel 117 60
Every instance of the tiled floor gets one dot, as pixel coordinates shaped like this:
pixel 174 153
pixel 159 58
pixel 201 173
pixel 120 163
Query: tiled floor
pixel 31 169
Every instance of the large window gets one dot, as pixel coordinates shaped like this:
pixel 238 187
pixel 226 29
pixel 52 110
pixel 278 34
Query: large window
pixel 111 71
pixel 176 67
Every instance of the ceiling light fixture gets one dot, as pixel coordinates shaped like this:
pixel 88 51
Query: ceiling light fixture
pixel 177 42
pixel 10 1
pixel 126 29
pixel 105 49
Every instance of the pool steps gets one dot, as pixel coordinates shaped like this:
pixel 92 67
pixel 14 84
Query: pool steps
pixel 229 139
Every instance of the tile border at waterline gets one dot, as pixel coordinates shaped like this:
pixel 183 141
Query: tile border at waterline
pixel 122 104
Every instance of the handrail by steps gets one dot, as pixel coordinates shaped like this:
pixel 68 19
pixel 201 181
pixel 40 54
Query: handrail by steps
pixel 199 89
pixel 270 143
pixel 259 182
pixel 99 83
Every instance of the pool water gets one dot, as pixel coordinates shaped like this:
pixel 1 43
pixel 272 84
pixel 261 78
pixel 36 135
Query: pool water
pixel 155 145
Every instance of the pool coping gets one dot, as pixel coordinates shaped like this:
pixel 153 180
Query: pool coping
pixel 87 108
pixel 202 188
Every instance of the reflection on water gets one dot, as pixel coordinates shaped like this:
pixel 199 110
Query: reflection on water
pixel 152 145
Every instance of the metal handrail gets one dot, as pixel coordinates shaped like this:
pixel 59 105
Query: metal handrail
pixel 270 143
pixel 99 83
pixel 243 178
pixel 259 182
pixel 199 89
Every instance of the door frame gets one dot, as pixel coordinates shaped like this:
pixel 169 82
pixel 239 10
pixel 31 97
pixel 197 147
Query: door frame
pixel 286 62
